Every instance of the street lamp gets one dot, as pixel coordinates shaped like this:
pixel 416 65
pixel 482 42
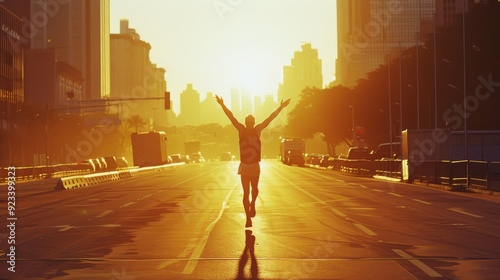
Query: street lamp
pixel 352 118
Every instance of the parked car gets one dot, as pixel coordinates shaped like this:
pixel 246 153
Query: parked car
pixel 313 158
pixel 88 163
pixel 358 153
pixel 176 158
pixel 99 166
pixel 121 162
pixel 111 163
pixel 186 159
pixel 324 161
pixel 196 157
pixel 227 156
pixel 384 151
pixel 102 162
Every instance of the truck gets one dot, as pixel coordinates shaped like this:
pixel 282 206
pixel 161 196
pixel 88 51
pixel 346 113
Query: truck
pixel 292 151
pixel 149 148
pixel 193 150
pixel 192 147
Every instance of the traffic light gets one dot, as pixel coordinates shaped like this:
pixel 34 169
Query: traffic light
pixel 167 100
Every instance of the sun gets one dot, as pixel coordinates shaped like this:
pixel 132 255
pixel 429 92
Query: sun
pixel 254 71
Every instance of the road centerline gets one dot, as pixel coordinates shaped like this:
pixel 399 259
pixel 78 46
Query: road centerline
pixel 195 256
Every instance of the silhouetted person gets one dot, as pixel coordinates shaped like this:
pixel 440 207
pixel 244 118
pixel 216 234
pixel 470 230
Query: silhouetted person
pixel 250 148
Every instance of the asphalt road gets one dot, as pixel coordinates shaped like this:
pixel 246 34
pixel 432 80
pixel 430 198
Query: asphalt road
pixel 188 223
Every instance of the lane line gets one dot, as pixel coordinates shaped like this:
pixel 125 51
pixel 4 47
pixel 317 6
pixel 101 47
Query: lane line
pixel 339 213
pixel 105 213
pixel 463 212
pixel 395 194
pixel 365 229
pixel 377 190
pixel 128 204
pixel 195 256
pixel 300 189
pixel 66 227
pixel 422 266
pixel 422 201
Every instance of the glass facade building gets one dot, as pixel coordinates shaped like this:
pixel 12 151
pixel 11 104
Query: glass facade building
pixel 370 31
pixel 11 58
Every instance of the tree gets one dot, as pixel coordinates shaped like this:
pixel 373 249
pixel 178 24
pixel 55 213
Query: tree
pixel 136 121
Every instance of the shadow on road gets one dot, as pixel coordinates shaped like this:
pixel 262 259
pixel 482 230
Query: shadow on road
pixel 248 252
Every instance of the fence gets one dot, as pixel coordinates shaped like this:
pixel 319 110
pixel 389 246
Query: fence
pixel 457 174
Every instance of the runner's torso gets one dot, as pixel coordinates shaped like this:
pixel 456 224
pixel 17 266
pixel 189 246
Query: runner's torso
pixel 250 146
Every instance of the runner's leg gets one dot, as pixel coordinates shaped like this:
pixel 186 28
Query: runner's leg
pixel 254 181
pixel 245 183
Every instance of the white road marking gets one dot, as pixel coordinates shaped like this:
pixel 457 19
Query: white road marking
pixel 395 194
pixel 365 229
pixel 146 196
pixel 339 213
pixel 193 260
pixel 128 204
pixel 429 271
pixel 65 227
pixel 463 212
pixel 301 189
pixel 105 213
pixel 377 190
pixel 422 201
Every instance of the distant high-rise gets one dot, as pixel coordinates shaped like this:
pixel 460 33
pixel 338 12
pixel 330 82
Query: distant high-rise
pixel 371 31
pixel 235 102
pixel 246 103
pixel 304 71
pixel 190 106
pixel 79 31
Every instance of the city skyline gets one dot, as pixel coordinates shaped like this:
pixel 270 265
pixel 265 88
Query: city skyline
pixel 230 44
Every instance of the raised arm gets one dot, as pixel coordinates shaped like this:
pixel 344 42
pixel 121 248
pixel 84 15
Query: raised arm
pixel 274 114
pixel 228 113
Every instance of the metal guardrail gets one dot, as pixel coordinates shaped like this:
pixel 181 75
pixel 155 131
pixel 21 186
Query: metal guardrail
pixel 44 172
pixel 459 174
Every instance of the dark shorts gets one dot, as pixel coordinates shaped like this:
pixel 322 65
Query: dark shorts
pixel 249 169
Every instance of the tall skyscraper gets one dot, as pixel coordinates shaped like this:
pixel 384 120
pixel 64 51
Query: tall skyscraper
pixel 11 84
pixel 371 31
pixel 304 71
pixel 134 76
pixel 79 31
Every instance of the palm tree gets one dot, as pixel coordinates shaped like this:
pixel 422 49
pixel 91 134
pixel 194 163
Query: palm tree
pixel 136 121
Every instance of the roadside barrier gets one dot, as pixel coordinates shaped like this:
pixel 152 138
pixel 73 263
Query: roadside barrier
pixel 71 183
pixel 81 181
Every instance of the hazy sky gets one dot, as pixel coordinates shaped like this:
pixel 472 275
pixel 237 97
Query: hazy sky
pixel 219 44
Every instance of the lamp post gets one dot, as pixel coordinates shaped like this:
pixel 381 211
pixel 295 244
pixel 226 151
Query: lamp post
pixel 352 119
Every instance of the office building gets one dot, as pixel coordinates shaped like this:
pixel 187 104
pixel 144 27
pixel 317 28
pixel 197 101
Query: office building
pixel 303 72
pixel 11 83
pixel 190 107
pixel 134 76
pixel 79 32
pixel 372 31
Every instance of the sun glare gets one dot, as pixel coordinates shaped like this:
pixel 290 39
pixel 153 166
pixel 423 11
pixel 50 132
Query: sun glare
pixel 253 71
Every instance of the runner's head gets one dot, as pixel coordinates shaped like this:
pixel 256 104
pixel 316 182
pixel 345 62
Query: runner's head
pixel 250 121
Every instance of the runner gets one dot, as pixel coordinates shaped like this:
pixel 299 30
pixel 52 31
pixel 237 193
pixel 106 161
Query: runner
pixel 250 152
